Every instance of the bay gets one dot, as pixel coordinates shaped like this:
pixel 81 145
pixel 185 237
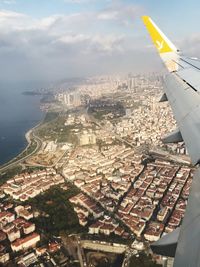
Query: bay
pixel 18 113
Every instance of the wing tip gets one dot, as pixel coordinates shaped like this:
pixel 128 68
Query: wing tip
pixel 162 43
pixel 145 17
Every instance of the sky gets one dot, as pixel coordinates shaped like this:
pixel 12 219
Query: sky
pixel 55 39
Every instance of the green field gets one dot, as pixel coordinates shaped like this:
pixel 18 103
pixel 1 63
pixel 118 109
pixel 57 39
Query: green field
pixel 55 129
pixel 57 213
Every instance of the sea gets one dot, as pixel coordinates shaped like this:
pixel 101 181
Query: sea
pixel 18 114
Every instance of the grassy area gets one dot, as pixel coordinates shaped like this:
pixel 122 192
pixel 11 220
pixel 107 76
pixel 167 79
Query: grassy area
pixel 31 169
pixel 50 116
pixel 99 115
pixel 57 130
pixel 57 213
pixel 99 112
pixel 143 261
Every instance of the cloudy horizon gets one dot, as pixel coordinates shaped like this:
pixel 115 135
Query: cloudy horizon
pixel 76 38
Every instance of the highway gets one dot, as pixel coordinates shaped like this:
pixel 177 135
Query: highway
pixel 14 162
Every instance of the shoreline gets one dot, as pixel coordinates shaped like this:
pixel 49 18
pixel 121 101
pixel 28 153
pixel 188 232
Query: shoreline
pixel 28 138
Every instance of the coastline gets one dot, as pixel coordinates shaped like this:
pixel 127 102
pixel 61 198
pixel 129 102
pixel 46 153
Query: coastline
pixel 19 116
pixel 28 138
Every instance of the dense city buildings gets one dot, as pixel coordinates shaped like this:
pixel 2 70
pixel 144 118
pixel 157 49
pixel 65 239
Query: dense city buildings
pixel 17 232
pixel 106 143
pixel 25 186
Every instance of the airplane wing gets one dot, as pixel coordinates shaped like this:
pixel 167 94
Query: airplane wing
pixel 182 90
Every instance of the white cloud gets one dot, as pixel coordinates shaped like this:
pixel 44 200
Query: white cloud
pixel 68 45
pixel 120 12
pixel 108 15
pixel 6 14
pixel 190 45
pixel 73 39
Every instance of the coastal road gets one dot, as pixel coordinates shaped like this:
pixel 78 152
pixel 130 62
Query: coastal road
pixel 14 162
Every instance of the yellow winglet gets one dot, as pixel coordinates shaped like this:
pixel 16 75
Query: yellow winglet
pixel 162 43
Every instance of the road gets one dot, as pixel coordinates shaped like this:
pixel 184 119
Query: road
pixel 14 162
